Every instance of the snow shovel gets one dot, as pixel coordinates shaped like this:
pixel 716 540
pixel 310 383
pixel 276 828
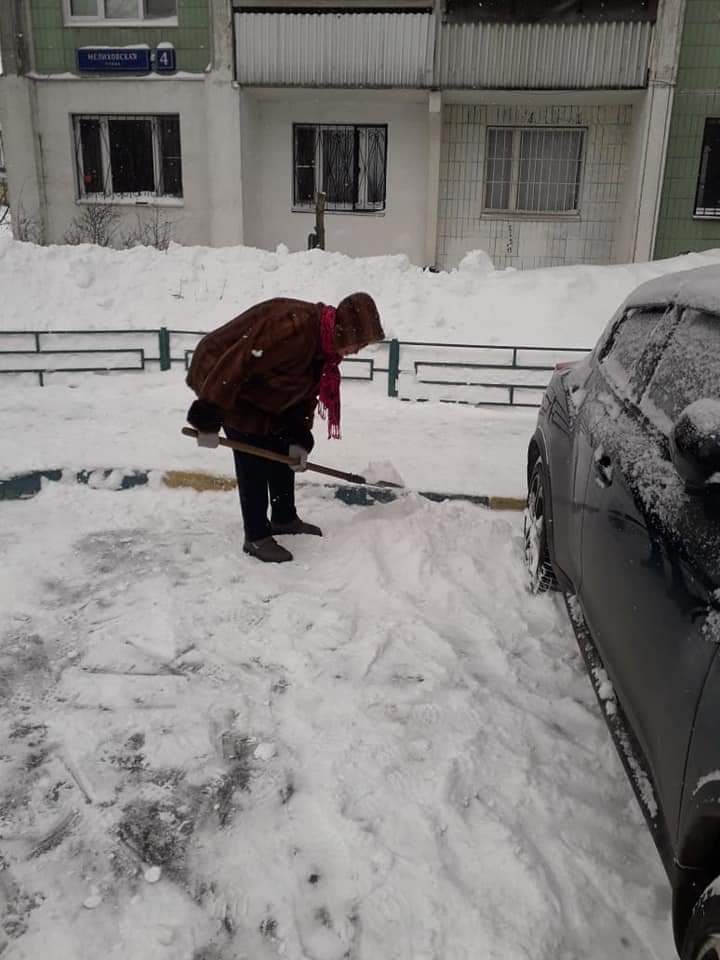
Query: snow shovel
pixel 292 461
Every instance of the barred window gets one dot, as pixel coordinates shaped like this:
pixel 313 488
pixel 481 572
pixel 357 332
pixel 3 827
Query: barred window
pixel 347 163
pixel 707 200
pixel 122 9
pixel 128 156
pixel 533 170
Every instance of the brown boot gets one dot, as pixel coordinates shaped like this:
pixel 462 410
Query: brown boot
pixel 267 550
pixel 296 526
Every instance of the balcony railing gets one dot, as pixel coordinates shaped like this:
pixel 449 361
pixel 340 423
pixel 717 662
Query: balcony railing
pixel 412 50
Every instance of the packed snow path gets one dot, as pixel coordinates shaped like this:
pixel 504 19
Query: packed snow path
pixel 387 750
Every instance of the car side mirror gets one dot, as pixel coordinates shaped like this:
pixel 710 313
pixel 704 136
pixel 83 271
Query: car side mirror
pixel 695 446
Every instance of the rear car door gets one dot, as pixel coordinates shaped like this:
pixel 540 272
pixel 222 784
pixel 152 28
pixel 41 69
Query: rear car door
pixel 645 583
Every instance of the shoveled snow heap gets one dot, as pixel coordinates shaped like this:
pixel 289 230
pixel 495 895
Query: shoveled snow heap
pixel 387 750
pixel 196 288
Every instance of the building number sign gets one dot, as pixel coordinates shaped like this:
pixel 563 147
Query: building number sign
pixel 127 59
pixel 165 60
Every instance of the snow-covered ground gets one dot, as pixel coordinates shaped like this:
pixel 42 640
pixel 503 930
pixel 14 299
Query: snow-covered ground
pixel 388 749
pixel 134 420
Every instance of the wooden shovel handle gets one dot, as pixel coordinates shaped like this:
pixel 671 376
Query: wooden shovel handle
pixel 279 457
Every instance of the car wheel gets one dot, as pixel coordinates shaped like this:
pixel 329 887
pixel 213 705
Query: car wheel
pixel 702 938
pixel 541 577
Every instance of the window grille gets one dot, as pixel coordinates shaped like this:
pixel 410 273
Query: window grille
pixel 707 198
pixel 128 156
pixel 347 163
pixel 533 169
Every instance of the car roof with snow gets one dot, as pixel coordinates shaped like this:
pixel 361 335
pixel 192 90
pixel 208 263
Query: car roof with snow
pixel 698 288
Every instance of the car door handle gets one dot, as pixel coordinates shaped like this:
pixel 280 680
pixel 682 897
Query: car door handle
pixel 603 468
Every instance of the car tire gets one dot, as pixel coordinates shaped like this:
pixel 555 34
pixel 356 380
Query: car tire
pixel 541 576
pixel 702 937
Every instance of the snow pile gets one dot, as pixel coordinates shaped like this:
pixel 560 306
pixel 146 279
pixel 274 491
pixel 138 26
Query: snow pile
pixel 478 262
pixel 382 471
pixel 387 749
pixel 197 288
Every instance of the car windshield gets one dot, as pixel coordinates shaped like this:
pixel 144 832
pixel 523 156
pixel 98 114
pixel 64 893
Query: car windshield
pixel 688 370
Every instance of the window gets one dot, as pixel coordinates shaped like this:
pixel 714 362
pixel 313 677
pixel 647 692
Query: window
pixel 688 369
pixel 533 170
pixel 626 346
pixel 136 156
pixel 122 9
pixel 707 199
pixel 347 163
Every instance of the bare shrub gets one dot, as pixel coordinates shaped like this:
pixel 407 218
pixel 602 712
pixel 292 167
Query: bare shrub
pixel 152 230
pixel 26 226
pixel 98 223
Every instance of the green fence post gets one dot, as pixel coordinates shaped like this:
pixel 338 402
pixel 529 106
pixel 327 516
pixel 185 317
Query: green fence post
pixel 164 348
pixel 393 367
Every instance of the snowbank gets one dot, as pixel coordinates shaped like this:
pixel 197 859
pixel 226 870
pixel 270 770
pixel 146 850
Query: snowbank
pixel 198 288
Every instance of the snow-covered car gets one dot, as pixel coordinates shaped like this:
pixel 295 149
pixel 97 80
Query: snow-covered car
pixel 623 517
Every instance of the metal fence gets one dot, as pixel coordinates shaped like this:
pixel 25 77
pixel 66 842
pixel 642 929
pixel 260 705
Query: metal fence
pixel 477 374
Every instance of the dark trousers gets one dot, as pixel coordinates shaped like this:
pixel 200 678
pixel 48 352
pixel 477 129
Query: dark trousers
pixel 259 480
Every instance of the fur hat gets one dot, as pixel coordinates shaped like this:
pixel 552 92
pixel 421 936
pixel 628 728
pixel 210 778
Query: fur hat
pixel 357 322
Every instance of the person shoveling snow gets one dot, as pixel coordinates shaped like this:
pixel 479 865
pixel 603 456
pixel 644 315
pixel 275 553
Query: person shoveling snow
pixel 260 377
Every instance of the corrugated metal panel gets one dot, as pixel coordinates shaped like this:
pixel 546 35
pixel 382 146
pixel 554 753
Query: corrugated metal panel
pixel 338 50
pixel 549 56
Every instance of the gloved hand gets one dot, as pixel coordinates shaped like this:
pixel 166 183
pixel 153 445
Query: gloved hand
pixel 211 440
pixel 298 453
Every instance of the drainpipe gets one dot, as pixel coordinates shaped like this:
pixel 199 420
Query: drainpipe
pixel 662 77
pixel 433 176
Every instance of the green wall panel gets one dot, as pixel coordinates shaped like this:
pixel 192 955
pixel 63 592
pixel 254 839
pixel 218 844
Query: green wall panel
pixel 55 44
pixel 697 97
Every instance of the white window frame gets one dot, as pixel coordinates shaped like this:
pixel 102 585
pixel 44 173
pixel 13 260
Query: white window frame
pixel 512 209
pixel 362 205
pixel 100 19
pixel 110 195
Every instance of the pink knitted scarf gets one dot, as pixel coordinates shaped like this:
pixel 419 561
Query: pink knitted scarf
pixel 329 405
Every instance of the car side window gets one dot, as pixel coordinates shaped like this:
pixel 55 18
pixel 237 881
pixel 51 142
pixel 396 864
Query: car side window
pixel 687 370
pixel 621 354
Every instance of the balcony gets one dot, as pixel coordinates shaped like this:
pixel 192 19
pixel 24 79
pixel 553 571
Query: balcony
pixel 335 49
pixel 386 44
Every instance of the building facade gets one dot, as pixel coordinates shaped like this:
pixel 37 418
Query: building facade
pixel 690 210
pixel 125 105
pixel 534 130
